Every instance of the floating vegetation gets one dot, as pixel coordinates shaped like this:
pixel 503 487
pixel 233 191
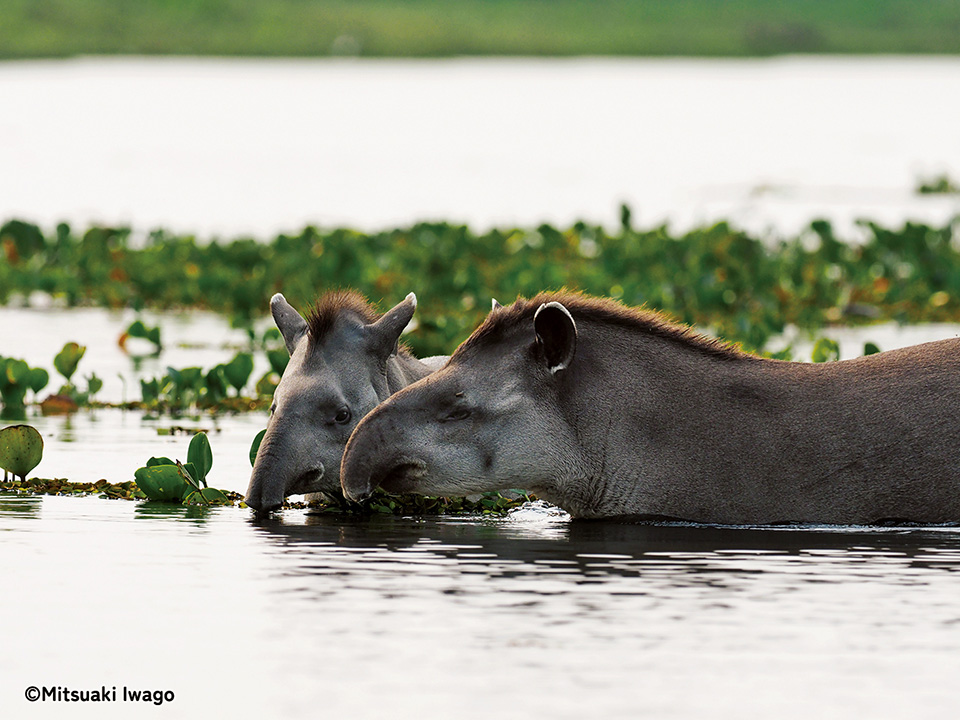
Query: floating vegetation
pixel 60 486
pixel 169 480
pixel 939 185
pixel 382 503
pixel 16 377
pixel 179 390
pixel 21 449
pixel 743 288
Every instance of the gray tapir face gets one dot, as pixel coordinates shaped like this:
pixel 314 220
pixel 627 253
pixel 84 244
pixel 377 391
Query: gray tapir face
pixel 487 421
pixel 329 384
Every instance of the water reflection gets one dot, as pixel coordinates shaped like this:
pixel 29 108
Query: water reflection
pixel 16 505
pixel 592 550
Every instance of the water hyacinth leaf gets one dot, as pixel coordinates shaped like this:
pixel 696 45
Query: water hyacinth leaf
pixel 68 358
pixel 238 370
pixel 94 384
pixel 137 329
pixel 207 496
pixel 200 454
pixel 825 350
pixel 255 447
pixel 18 372
pixel 162 482
pixel 150 390
pixel 38 379
pixel 216 384
pixel 189 474
pixel 154 461
pixel 21 449
pixel 267 385
pixel 278 360
pixel 870 348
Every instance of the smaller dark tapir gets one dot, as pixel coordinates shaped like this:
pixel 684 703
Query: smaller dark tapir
pixel 344 359
pixel 609 411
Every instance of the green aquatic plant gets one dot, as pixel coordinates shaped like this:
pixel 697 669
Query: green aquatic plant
pixel 167 480
pixel 21 449
pixel 255 446
pixel 825 350
pixel 138 329
pixel 237 371
pixel 179 390
pixel 16 378
pixel 61 486
pixel 939 185
pixel 68 358
pixel 745 288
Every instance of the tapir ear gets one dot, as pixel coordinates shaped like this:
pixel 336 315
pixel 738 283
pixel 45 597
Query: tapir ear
pixel 292 325
pixel 556 335
pixel 385 332
pixel 495 306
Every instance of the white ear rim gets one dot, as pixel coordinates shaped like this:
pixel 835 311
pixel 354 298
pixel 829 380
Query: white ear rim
pixel 494 305
pixel 558 306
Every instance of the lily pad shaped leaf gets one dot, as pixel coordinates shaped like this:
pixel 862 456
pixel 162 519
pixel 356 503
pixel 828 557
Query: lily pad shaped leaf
pixel 162 482
pixel 67 359
pixel 21 449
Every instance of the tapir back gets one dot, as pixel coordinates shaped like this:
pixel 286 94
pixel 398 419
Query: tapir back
pixel 751 440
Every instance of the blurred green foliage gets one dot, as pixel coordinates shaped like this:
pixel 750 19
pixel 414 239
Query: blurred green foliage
pixel 740 287
pixel 16 377
pixel 432 28
pixel 180 390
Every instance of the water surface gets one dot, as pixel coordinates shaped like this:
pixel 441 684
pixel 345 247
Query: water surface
pixel 216 146
pixel 531 615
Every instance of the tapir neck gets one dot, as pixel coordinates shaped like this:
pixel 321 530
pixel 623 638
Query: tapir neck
pixel 672 431
pixel 404 369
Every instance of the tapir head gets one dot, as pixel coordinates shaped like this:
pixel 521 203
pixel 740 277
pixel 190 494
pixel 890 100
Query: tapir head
pixel 490 419
pixel 337 374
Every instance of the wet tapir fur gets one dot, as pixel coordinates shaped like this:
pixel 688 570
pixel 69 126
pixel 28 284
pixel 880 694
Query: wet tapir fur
pixel 344 359
pixel 609 411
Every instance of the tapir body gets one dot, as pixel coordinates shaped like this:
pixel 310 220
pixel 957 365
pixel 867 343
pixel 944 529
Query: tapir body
pixel 609 411
pixel 344 359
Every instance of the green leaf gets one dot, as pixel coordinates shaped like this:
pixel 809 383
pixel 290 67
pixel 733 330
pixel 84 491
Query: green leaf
pixel 38 379
pixel 255 447
pixel 238 370
pixel 825 350
pixel 154 461
pixel 94 384
pixel 21 449
pixel 870 348
pixel 137 329
pixel 18 372
pixel 189 474
pixel 200 455
pixel 68 358
pixel 162 482
pixel 207 496
pixel 278 360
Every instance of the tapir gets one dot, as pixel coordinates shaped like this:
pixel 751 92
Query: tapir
pixel 615 412
pixel 344 359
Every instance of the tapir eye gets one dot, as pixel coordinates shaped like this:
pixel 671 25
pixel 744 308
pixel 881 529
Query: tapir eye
pixel 343 416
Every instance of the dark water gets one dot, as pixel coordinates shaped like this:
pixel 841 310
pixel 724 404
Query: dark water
pixel 530 615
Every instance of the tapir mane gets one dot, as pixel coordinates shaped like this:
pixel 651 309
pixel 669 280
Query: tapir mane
pixel 322 317
pixel 589 309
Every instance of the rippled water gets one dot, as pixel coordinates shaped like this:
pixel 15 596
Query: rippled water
pixel 531 615
pixel 526 616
